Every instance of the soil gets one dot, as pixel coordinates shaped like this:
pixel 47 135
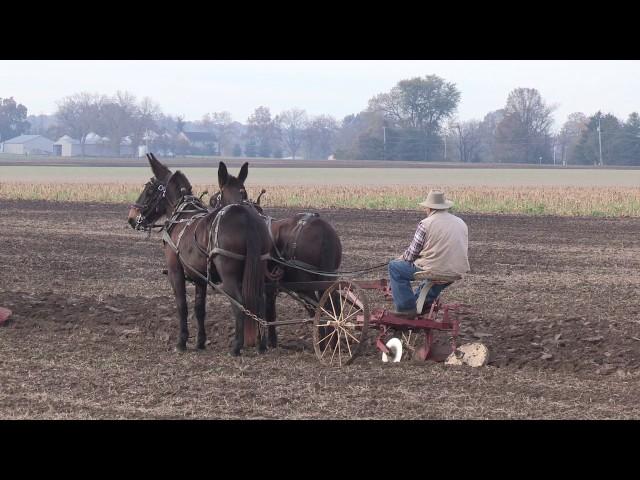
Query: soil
pixel 94 326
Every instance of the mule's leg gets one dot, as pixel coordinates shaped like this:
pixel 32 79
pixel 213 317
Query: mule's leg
pixel 200 309
pixel 238 342
pixel 271 317
pixel 241 317
pixel 227 269
pixel 236 292
pixel 176 278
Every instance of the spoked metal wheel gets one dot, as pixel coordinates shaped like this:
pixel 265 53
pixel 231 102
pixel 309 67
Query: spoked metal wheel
pixel 411 340
pixel 340 325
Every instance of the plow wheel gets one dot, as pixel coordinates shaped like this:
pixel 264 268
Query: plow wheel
pixel 403 345
pixel 340 324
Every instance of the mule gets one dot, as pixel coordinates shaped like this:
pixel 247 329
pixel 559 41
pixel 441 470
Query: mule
pixel 304 240
pixel 229 245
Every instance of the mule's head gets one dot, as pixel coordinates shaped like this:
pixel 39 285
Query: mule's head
pixel 231 188
pixel 159 196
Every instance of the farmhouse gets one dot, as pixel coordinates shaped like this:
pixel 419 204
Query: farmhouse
pixel 28 145
pixel 206 142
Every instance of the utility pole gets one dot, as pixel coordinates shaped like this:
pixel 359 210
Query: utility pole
pixel 384 143
pixel 445 146
pixel 600 140
pixel 554 154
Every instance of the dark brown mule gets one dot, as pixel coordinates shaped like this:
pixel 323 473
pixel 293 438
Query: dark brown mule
pixel 227 245
pixel 305 240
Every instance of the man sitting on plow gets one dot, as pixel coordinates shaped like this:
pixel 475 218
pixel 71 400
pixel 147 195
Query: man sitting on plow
pixel 440 247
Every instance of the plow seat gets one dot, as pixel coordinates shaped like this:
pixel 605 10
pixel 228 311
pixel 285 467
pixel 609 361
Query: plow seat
pixel 431 279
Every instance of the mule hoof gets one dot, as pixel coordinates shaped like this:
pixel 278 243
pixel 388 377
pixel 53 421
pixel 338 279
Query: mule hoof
pixel 181 347
pixel 201 346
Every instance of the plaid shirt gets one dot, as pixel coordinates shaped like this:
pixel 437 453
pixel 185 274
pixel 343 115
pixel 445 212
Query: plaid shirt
pixel 416 245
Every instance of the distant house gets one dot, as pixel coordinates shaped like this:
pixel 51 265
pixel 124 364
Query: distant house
pixel 156 143
pixel 206 142
pixel 28 145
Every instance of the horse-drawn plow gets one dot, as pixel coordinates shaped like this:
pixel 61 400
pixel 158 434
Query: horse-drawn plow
pixel 344 317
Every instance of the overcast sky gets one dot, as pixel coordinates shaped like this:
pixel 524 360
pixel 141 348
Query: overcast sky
pixel 336 87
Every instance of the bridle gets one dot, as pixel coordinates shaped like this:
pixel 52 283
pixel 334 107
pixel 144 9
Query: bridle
pixel 216 200
pixel 160 193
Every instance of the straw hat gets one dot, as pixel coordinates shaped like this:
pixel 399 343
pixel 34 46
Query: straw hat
pixel 436 201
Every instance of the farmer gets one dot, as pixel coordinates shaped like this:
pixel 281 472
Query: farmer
pixel 440 246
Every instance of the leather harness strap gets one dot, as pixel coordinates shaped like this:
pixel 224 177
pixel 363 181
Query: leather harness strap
pixel 213 242
pixel 290 247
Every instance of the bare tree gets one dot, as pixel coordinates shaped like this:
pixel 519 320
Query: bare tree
pixel 79 115
pixel 221 123
pixel 117 117
pixel 320 137
pixel 468 139
pixel 292 124
pixel 143 121
pixel 571 133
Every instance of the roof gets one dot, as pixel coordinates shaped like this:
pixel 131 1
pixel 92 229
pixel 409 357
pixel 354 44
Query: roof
pixel 25 138
pixel 91 139
pixel 95 139
pixel 67 139
pixel 200 136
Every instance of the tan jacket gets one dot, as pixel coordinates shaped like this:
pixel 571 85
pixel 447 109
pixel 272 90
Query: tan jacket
pixel 446 245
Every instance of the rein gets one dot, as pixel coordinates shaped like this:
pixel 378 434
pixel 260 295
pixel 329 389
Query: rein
pixel 290 247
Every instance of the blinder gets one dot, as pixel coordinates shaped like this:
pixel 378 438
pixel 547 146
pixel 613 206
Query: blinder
pixel 159 194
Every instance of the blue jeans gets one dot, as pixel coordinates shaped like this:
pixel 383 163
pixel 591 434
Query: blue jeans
pixel 400 275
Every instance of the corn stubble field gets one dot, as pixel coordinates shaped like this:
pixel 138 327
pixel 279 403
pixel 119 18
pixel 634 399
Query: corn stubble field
pixel 549 200
pixel 553 287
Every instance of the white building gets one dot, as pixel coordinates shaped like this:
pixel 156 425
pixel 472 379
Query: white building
pixel 67 147
pixel 28 145
pixel 94 146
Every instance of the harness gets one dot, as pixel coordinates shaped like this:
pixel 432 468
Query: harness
pixel 289 251
pixel 200 211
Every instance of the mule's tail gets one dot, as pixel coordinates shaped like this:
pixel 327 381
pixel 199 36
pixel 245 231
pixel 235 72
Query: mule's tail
pixel 253 282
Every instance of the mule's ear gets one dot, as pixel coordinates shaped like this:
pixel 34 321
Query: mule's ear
pixel 244 171
pixel 160 171
pixel 223 175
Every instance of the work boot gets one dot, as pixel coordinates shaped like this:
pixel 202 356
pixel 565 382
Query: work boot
pixel 405 313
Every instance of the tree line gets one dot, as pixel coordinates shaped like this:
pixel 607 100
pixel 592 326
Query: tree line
pixel 415 120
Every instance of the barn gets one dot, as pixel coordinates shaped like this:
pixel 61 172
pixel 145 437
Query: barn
pixel 28 145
